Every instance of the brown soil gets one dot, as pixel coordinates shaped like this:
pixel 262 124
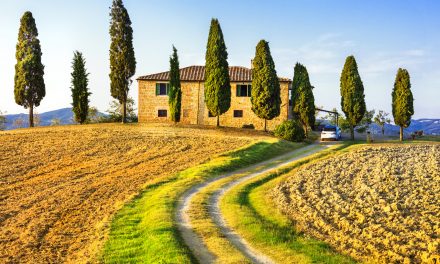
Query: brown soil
pixel 60 186
pixel 376 203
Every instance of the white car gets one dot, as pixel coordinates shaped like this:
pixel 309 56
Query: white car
pixel 330 133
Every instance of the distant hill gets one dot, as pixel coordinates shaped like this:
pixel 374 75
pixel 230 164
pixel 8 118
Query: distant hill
pixel 429 127
pixel 65 115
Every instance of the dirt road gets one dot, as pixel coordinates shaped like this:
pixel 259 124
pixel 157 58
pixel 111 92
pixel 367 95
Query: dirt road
pixel 194 242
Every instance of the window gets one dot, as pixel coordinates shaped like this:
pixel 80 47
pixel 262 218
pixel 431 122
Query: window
pixel 162 113
pixel 244 90
pixel 238 113
pixel 210 114
pixel 162 88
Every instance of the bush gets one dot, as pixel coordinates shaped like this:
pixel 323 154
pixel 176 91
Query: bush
pixel 250 126
pixel 290 130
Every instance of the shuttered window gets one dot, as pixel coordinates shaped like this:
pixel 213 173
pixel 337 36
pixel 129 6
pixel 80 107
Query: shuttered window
pixel 244 90
pixel 162 88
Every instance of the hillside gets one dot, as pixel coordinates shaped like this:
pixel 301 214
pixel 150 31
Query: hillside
pixel 429 127
pixel 65 115
pixel 60 185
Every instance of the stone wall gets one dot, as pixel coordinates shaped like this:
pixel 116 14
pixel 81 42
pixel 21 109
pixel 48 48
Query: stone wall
pixel 194 110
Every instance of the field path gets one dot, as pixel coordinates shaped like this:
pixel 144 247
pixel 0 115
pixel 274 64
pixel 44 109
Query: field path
pixel 194 242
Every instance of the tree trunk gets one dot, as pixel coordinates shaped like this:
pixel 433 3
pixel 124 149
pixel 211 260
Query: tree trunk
pixel 383 130
pixel 124 112
pixel 305 130
pixel 218 120
pixel 401 133
pixel 352 132
pixel 265 125
pixel 31 116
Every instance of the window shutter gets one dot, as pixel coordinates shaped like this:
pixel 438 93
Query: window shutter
pixel 157 88
pixel 249 90
pixel 168 88
pixel 238 90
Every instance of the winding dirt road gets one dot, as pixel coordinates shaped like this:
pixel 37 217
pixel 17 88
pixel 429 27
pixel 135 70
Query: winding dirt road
pixel 195 243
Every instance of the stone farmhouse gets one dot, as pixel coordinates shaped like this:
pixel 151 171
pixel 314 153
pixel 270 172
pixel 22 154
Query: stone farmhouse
pixel 153 99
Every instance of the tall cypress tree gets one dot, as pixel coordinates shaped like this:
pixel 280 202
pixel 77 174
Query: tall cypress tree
pixel 79 88
pixel 122 59
pixel 403 100
pixel 265 94
pixel 303 101
pixel 352 94
pixel 175 94
pixel 217 84
pixel 29 87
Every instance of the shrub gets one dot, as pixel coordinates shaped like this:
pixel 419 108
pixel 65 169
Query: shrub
pixel 290 130
pixel 250 126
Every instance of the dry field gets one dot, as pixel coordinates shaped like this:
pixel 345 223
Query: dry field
pixel 378 203
pixel 59 186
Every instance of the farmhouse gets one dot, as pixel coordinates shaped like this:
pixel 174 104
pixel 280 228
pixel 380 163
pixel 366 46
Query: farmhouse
pixel 153 99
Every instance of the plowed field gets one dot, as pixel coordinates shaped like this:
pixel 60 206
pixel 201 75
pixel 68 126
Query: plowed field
pixel 59 186
pixel 378 203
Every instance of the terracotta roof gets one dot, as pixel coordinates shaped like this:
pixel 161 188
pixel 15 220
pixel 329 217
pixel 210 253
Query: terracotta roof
pixel 197 73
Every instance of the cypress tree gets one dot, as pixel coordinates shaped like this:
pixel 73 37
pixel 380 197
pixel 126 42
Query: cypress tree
pixel 403 100
pixel 265 94
pixel 122 59
pixel 352 94
pixel 175 94
pixel 79 88
pixel 302 99
pixel 29 87
pixel 217 84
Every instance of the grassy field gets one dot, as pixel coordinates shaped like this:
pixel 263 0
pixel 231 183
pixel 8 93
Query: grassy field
pixel 249 209
pixel 59 186
pixel 144 230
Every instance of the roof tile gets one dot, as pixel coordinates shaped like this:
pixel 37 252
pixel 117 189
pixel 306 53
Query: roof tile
pixel 197 73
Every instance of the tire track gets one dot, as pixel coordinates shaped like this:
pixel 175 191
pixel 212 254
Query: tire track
pixel 190 237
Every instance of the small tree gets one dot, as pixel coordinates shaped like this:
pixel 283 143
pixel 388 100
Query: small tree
pixel 2 121
pixel 18 123
pixel 115 111
pixel 37 119
pixel 29 88
pixel 265 94
pixel 55 122
pixel 352 94
pixel 402 104
pixel 175 94
pixel 92 115
pixel 366 121
pixel 122 59
pixel 303 101
pixel 217 83
pixel 381 119
pixel 79 88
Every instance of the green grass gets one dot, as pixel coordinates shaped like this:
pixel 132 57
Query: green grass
pixel 252 213
pixel 144 231
pixel 207 230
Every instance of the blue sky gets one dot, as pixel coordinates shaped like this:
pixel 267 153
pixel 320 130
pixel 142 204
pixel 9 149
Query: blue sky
pixel 382 35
